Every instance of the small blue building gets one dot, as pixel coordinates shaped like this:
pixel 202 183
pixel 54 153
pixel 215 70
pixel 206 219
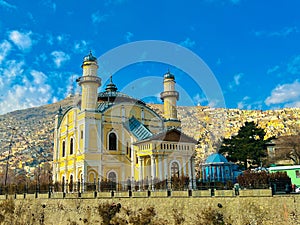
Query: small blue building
pixel 216 168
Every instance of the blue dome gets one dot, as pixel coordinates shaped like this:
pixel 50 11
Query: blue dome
pixel 216 158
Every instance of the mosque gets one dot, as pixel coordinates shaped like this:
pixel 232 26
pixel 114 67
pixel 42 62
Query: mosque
pixel 112 136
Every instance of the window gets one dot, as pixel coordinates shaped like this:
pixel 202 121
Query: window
pixel 71 146
pixel 175 169
pixel 81 134
pixel 297 174
pixel 63 152
pixel 128 149
pixel 112 141
pixel 112 176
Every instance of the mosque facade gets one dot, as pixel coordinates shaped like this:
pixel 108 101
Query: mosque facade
pixel 112 136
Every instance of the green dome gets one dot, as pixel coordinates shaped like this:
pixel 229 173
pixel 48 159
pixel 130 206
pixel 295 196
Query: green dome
pixel 169 75
pixel 89 57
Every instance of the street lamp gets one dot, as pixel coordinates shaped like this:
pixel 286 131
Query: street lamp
pixel 9 153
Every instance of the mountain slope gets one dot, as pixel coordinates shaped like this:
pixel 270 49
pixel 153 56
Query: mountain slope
pixel 33 134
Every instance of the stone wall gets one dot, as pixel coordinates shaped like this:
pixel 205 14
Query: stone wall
pixel 240 210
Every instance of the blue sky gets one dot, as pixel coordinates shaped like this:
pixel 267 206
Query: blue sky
pixel 251 46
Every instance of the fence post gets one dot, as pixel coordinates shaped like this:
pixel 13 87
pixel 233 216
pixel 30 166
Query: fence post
pixel 95 188
pixel 36 190
pixel 78 189
pixel 67 186
pixel 99 183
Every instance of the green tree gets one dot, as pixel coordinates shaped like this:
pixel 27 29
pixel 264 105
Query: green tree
pixel 247 147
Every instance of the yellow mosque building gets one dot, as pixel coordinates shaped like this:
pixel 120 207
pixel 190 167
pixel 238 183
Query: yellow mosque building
pixel 112 136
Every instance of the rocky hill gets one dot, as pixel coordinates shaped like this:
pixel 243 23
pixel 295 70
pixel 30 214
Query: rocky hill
pixel 30 131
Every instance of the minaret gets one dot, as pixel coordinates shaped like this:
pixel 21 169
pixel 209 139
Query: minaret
pixel 89 83
pixel 170 96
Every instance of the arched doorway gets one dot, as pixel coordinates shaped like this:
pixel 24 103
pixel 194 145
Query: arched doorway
pixel 112 180
pixel 174 169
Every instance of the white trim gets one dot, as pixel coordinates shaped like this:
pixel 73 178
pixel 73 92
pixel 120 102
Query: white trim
pixel 284 167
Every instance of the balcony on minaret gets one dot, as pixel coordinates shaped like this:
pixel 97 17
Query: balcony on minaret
pixel 89 79
pixel 169 94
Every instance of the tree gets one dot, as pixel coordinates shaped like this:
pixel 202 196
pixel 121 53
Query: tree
pixel 288 147
pixel 247 147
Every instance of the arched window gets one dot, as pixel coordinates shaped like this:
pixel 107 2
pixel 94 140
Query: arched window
pixel 112 141
pixel 71 146
pixel 175 169
pixel 63 151
pixel 112 176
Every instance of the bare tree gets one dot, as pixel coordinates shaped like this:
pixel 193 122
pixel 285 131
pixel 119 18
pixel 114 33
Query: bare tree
pixel 288 147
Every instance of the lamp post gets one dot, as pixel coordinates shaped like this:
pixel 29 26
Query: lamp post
pixel 8 157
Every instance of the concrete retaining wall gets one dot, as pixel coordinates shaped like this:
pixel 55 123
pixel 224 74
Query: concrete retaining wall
pixel 279 210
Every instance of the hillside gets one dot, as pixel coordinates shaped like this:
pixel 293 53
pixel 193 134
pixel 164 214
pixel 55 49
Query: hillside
pixel 32 139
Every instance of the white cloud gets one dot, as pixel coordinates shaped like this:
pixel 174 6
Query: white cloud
pixel 246 103
pixel 38 77
pixel 242 103
pixel 236 80
pixel 59 58
pixel 13 69
pixel 128 36
pixel 273 69
pixel 188 43
pixel 7 5
pixel 97 17
pixel 284 32
pixel 285 93
pixel 80 46
pixel 24 96
pixel 294 66
pixel 50 4
pixel 199 99
pixel 5 47
pixel 18 92
pixel 21 40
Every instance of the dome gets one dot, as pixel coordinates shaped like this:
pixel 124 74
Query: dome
pixel 216 158
pixel 111 87
pixel 89 57
pixel 169 75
